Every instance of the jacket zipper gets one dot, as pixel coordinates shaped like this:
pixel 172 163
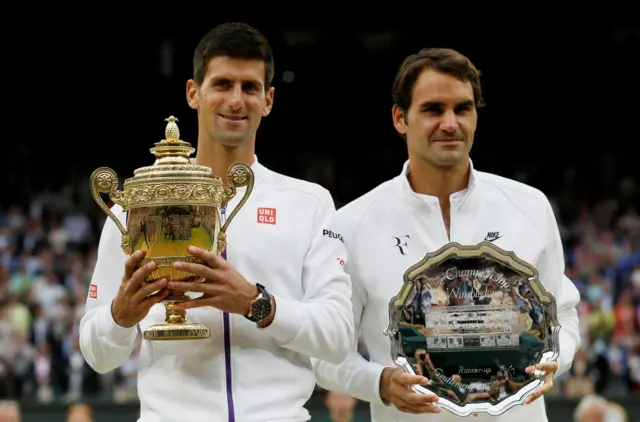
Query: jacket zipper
pixel 227 348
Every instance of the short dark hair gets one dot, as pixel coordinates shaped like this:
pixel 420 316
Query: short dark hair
pixel 236 40
pixel 443 60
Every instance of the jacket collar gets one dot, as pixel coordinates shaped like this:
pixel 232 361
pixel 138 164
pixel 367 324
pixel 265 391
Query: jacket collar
pixel 420 200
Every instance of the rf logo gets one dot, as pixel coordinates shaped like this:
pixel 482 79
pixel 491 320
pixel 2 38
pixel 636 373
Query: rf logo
pixel 401 243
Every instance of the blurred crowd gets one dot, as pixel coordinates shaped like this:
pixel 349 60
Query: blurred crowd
pixel 602 254
pixel 48 246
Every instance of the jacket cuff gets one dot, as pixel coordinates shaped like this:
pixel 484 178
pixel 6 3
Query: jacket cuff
pixel 375 374
pixel 110 330
pixel 565 355
pixel 287 321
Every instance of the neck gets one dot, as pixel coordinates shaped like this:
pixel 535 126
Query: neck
pixel 441 182
pixel 220 157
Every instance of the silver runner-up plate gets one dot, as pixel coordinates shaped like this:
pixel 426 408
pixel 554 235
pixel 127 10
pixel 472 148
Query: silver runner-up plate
pixel 471 319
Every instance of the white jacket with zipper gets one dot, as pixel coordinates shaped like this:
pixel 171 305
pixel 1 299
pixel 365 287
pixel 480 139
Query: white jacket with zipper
pixel 391 228
pixel 241 373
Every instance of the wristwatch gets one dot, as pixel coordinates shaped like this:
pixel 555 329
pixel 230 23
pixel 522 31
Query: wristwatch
pixel 260 307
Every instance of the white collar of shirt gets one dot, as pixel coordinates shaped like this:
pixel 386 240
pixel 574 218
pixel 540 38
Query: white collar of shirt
pixel 420 200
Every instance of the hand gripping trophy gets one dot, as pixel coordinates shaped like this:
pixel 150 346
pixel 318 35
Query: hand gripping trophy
pixel 171 205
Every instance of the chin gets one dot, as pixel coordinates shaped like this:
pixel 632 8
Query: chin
pixel 231 139
pixel 450 161
pixel 234 142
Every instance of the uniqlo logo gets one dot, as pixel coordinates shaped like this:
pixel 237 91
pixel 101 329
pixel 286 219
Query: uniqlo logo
pixel 267 215
pixel 93 291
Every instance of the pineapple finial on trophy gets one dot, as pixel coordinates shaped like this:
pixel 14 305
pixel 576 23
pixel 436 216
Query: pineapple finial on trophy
pixel 172 132
pixel 172 149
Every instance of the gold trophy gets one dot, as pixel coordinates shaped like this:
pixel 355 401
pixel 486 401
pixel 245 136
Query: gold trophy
pixel 171 205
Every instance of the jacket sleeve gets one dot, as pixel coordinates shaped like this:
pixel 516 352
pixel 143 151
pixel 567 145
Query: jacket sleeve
pixel 551 271
pixel 104 344
pixel 356 376
pixel 321 324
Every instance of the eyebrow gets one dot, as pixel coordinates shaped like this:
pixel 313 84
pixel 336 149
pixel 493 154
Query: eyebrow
pixel 244 81
pixel 438 104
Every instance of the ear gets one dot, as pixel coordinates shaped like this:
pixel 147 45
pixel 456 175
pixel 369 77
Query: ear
pixel 192 94
pixel 398 115
pixel 268 102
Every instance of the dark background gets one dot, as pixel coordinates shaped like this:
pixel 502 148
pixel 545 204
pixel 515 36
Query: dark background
pixel 560 94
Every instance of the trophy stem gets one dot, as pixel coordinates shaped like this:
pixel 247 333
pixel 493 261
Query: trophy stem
pixel 173 315
pixel 175 325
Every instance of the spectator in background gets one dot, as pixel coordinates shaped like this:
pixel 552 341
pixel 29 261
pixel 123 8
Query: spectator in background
pixel 47 231
pixel 341 407
pixel 80 412
pixel 9 411
pixel 593 408
pixel 580 382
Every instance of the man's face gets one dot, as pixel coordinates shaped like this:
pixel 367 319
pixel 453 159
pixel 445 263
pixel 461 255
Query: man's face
pixel 440 123
pixel 231 100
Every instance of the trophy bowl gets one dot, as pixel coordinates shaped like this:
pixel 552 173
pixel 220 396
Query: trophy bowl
pixel 471 319
pixel 170 206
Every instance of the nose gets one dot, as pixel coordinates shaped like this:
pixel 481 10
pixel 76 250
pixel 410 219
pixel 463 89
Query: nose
pixel 449 123
pixel 235 99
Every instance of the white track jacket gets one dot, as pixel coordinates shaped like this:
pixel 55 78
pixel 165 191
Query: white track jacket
pixel 391 228
pixel 281 239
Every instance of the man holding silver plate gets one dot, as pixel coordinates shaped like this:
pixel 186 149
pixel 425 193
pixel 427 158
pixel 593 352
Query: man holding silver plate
pixel 458 275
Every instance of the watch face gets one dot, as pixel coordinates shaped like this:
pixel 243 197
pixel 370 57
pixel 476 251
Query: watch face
pixel 261 309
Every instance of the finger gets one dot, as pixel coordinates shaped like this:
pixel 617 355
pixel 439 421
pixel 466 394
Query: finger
pixel 132 263
pixel 534 396
pixel 148 289
pixel 185 286
pixel 415 399
pixel 196 269
pixel 195 303
pixel 407 379
pixel 404 393
pixel 548 384
pixel 210 258
pixel 427 408
pixel 155 298
pixel 547 367
pixel 539 392
pixel 412 402
pixel 139 276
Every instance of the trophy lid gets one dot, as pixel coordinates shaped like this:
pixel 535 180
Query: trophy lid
pixel 172 157
pixel 171 181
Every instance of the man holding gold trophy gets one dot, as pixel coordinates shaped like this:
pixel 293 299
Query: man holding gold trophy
pixel 458 275
pixel 229 270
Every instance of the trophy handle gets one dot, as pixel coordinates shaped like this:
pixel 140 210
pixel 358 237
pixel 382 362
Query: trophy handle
pixel 105 180
pixel 238 175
